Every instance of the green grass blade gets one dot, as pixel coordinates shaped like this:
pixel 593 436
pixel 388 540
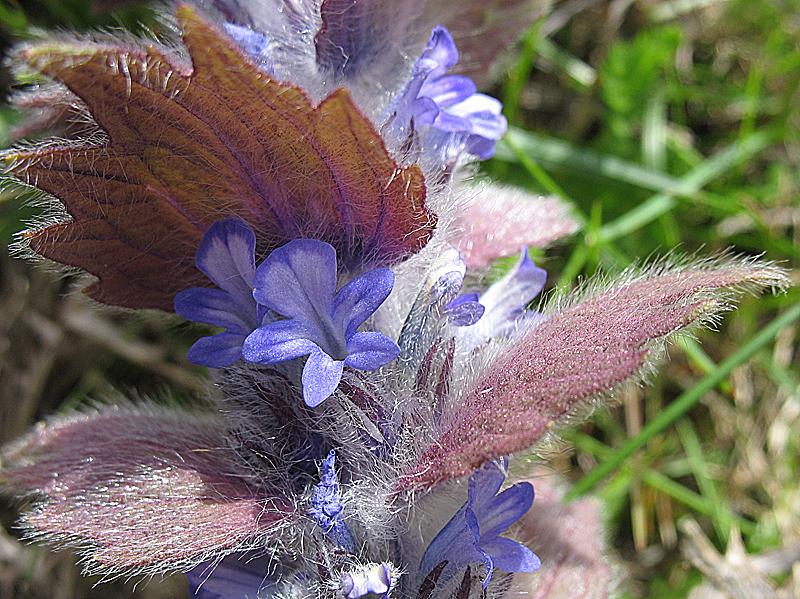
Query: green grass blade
pixel 659 482
pixel 580 73
pixel 554 153
pixel 694 451
pixel 683 403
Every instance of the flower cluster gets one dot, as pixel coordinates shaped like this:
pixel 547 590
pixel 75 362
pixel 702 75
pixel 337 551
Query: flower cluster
pixel 296 176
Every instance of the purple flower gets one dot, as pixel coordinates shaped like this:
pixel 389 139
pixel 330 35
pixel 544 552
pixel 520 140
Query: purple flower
pixel 505 303
pixel 375 579
pixel 465 310
pixel 472 536
pixel 326 507
pixel 242 576
pixel 298 282
pixel 226 256
pixel 449 104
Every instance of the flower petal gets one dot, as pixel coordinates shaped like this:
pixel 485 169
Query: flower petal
pixel 298 280
pixel 277 342
pixel 477 555
pixel 482 147
pixel 516 289
pixel 451 123
pixel 456 543
pixel 326 506
pixel 505 509
pixel 484 484
pixel 465 310
pixel 370 580
pixel 217 351
pixel 227 256
pixel 358 300
pixel 441 50
pixel 239 575
pixel 370 350
pixel 510 556
pixel 505 303
pixel 449 90
pixel 321 376
pixel 214 306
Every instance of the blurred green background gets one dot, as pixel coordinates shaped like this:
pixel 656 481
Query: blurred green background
pixel 669 126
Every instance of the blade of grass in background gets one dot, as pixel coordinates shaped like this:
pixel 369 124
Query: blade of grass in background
pixel 683 403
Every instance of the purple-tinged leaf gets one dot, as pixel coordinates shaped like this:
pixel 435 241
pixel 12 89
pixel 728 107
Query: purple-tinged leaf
pixel 191 144
pixel 576 355
pixel 485 30
pixel 499 221
pixel 140 490
pixel 354 33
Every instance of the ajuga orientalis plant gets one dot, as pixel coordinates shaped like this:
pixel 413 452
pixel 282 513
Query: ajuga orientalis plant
pixel 299 174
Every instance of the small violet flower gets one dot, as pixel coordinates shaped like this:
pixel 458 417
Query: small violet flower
pixel 449 104
pixel 472 536
pixel 465 310
pixel 239 575
pixel 298 282
pixel 505 303
pixel 226 256
pixel 374 579
pixel 326 507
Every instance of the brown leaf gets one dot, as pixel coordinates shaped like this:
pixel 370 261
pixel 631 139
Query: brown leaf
pixel 190 145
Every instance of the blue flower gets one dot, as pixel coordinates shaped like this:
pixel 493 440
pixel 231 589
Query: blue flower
pixel 465 310
pixel 326 507
pixel 472 536
pixel 298 282
pixel 448 104
pixel 243 576
pixel 505 303
pixel 375 579
pixel 227 257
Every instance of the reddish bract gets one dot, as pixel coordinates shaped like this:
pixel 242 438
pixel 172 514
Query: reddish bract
pixel 141 490
pixel 573 356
